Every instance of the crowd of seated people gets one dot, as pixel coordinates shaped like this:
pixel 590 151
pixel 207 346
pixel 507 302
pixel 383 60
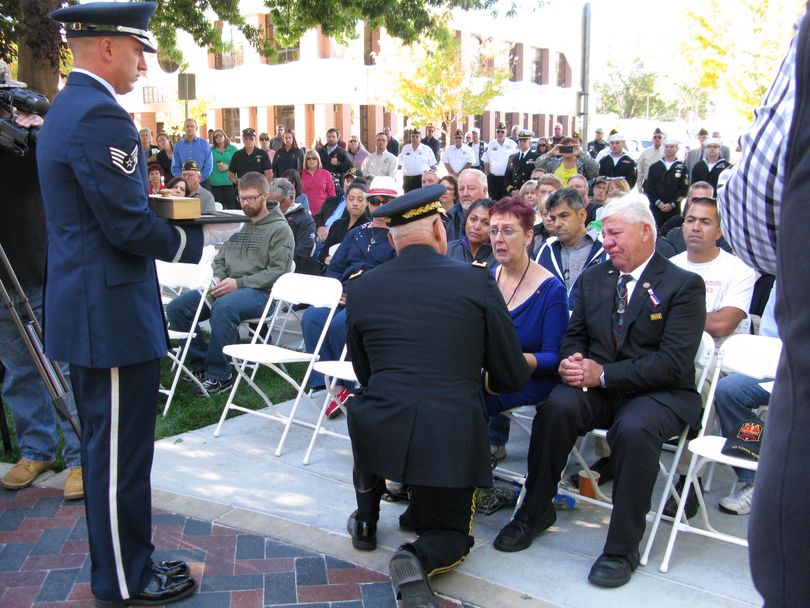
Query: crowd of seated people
pixel 574 221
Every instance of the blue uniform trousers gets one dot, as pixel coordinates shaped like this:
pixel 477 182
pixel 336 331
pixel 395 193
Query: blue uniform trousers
pixel 312 323
pixel 117 409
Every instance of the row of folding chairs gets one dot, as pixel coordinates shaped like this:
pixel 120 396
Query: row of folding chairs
pixel 754 356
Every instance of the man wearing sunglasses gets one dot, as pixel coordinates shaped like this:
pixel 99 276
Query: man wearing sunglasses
pixel 598 144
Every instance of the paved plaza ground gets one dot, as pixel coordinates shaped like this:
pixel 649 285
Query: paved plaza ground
pixel 261 530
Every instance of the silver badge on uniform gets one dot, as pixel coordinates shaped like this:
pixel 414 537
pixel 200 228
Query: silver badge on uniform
pixel 126 162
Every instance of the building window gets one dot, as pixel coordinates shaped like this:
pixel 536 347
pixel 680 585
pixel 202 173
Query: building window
pixel 537 67
pixel 230 122
pixel 288 54
pixel 153 95
pixel 283 54
pixel 513 63
pixel 371 45
pixel 562 70
pixel 234 53
pixel 285 115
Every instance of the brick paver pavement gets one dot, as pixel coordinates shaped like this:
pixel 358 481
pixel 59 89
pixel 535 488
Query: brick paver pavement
pixel 44 562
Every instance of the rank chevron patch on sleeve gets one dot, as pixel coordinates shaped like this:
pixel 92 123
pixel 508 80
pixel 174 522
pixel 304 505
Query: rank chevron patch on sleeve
pixel 126 162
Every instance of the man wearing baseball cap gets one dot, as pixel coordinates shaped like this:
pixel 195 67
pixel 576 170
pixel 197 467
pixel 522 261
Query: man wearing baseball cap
pixel 103 313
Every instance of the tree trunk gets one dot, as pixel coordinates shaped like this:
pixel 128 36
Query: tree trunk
pixel 40 73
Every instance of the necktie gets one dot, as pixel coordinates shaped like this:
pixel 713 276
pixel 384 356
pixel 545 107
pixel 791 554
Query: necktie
pixel 620 305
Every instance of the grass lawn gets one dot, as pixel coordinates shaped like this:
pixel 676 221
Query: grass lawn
pixel 189 412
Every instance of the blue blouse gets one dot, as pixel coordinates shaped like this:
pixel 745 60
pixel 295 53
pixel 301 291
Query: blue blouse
pixel 540 323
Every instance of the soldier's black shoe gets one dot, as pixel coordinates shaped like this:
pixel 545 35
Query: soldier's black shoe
pixel 162 589
pixel 613 570
pixel 519 533
pixel 410 579
pixel 171 568
pixel 364 533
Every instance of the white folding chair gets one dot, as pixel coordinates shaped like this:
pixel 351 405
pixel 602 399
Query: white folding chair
pixel 703 359
pixel 754 356
pixel 332 372
pixel 178 278
pixel 705 362
pixel 521 417
pixel 290 289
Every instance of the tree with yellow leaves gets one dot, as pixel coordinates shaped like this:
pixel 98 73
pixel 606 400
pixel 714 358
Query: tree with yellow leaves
pixel 734 48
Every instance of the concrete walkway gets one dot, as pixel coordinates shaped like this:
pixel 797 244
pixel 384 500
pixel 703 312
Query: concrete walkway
pixel 235 480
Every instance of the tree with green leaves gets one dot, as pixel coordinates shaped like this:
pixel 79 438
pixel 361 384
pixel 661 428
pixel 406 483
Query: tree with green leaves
pixel 630 93
pixel 27 35
pixel 448 80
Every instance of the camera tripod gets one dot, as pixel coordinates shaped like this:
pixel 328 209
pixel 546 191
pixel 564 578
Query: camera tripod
pixel 28 327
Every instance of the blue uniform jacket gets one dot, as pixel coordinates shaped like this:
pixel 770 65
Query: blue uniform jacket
pixel 363 248
pixel 102 300
pixel 550 258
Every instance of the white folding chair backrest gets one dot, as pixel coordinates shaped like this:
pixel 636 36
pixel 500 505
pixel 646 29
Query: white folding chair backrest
pixel 183 276
pixel 292 289
pixel 317 291
pixel 703 359
pixel 295 288
pixel 753 356
pixel 178 278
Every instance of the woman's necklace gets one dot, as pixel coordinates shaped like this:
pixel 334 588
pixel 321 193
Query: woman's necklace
pixel 520 282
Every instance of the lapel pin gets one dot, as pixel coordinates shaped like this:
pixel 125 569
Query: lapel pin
pixel 646 286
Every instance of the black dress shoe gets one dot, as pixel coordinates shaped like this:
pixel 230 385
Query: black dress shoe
pixel 601 466
pixel 410 579
pixel 161 589
pixel 171 568
pixel 519 533
pixel 613 570
pixel 692 505
pixel 364 533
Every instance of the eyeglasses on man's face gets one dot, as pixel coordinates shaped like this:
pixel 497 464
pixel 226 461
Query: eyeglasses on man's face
pixel 249 198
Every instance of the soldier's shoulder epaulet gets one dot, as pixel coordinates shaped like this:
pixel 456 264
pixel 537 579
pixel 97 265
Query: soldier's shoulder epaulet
pixel 356 274
pixel 479 263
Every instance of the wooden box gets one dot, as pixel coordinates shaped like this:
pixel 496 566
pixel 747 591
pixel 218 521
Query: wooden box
pixel 175 208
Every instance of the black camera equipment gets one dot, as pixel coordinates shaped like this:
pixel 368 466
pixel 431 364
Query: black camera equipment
pixel 27 325
pixel 14 97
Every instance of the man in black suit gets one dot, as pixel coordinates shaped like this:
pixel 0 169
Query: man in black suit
pixel 626 365
pixel 521 163
pixel 420 418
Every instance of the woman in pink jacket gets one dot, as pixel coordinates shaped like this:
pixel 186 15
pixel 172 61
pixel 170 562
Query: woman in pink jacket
pixel 317 182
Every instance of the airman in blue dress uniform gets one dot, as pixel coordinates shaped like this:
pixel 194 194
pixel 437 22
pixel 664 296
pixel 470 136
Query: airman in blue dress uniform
pixel 103 312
